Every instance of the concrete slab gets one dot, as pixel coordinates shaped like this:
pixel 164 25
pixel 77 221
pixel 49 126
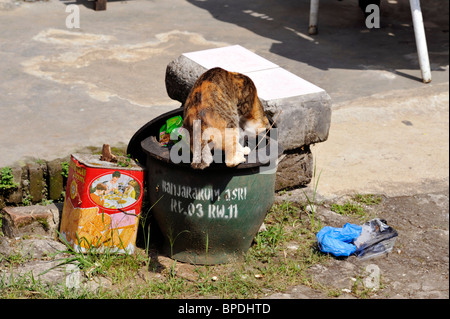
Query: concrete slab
pixel 278 83
pixel 233 58
pixel 302 109
pixel 272 81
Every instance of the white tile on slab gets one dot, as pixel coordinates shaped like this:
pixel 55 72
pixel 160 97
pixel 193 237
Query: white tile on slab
pixel 232 58
pixel 278 83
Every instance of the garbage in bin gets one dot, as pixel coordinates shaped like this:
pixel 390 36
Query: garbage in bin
pixel 165 132
pixel 372 239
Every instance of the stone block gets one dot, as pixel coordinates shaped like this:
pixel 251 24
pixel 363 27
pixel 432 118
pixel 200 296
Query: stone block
pixel 15 196
pixel 302 110
pixel 294 169
pixel 28 220
pixel 12 195
pixel 55 179
pixel 181 75
pixel 37 182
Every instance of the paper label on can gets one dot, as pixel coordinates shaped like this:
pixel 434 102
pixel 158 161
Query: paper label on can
pixel 115 190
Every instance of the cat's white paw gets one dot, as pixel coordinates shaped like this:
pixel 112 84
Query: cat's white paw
pixel 236 160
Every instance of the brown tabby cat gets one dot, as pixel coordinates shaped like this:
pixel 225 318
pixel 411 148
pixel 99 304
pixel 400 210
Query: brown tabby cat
pixel 222 100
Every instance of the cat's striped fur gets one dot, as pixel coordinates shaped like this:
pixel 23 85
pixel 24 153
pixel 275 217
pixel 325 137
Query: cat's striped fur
pixel 223 100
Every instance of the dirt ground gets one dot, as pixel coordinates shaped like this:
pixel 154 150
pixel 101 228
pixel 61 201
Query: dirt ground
pixel 417 267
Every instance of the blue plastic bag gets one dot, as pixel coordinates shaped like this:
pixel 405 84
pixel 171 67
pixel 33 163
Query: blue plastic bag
pixel 338 241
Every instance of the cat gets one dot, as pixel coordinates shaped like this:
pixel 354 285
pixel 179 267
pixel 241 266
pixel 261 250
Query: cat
pixel 222 100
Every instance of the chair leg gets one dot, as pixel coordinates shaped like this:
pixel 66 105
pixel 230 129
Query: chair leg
pixel 100 5
pixel 313 13
pixel 421 42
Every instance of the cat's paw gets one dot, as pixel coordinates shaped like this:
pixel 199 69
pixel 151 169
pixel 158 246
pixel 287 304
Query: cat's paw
pixel 236 160
pixel 201 165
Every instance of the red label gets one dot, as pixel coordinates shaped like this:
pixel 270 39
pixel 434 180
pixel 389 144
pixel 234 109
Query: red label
pixel 111 190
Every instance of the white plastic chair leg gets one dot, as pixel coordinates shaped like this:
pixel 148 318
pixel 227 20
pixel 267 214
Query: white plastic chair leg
pixel 313 13
pixel 421 42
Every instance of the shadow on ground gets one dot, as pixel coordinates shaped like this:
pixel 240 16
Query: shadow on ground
pixel 88 3
pixel 286 22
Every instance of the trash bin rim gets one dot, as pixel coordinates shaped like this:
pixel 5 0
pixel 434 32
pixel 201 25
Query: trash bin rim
pixel 144 144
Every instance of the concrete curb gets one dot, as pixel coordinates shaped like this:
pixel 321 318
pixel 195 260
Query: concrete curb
pixel 35 182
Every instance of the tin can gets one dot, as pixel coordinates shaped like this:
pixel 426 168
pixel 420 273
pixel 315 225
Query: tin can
pixel 102 205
